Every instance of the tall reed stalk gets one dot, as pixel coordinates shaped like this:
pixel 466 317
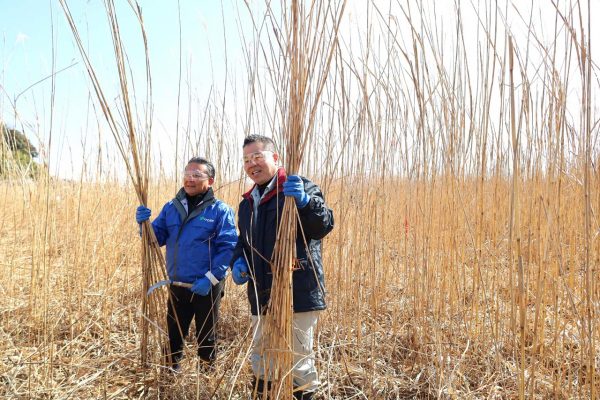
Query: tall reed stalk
pixel 515 223
pixel 134 146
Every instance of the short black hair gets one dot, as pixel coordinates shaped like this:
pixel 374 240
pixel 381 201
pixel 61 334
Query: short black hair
pixel 210 168
pixel 267 142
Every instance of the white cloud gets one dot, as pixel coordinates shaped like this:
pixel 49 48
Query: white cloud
pixel 21 38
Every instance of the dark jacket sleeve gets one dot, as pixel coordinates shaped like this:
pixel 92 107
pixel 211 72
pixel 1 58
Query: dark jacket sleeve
pixel 316 217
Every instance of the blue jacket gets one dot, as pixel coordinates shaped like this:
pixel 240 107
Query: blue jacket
pixel 257 239
pixel 197 243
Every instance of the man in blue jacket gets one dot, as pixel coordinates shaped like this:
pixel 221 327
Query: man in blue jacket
pixel 200 235
pixel 258 221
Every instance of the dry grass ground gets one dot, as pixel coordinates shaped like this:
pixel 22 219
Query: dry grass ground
pixel 420 295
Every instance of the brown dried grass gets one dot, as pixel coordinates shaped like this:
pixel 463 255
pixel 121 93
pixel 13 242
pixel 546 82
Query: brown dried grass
pixel 418 268
pixel 413 311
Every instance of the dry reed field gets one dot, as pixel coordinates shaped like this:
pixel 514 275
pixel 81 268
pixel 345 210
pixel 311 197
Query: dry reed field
pixel 464 176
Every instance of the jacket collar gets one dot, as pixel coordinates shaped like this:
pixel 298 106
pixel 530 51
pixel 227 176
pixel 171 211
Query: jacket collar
pixel 182 203
pixel 281 177
pixel 208 195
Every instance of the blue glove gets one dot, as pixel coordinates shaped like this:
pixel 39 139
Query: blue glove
pixel 294 187
pixel 240 272
pixel 202 286
pixel 142 214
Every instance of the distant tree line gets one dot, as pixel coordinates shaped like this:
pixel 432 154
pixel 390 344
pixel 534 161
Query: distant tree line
pixel 16 153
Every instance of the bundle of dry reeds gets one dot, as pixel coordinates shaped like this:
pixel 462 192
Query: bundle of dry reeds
pixel 308 46
pixel 134 145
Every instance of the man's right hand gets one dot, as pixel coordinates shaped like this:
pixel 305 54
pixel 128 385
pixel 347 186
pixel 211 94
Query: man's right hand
pixel 142 214
pixel 240 272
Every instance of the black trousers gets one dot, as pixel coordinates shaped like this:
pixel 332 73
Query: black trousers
pixel 185 305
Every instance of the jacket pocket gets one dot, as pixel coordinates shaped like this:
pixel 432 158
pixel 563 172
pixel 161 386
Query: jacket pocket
pixel 173 229
pixel 304 276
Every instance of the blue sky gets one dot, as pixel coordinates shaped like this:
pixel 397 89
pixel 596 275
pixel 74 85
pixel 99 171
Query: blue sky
pixel 28 25
pixel 34 34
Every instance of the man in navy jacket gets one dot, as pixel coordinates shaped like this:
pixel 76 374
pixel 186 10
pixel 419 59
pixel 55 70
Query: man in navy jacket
pixel 258 220
pixel 199 233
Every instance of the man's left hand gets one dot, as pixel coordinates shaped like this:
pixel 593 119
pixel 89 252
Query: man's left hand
pixel 294 187
pixel 202 286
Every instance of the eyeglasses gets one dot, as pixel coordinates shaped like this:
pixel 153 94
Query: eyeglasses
pixel 256 157
pixel 195 175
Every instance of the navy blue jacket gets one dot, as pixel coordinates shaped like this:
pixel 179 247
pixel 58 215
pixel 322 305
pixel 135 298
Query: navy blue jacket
pixel 197 243
pixel 257 239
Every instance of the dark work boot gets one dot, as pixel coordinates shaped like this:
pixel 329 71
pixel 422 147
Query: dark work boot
pixel 301 395
pixel 258 387
pixel 172 363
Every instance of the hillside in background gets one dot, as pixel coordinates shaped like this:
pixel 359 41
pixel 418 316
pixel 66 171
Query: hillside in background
pixel 16 153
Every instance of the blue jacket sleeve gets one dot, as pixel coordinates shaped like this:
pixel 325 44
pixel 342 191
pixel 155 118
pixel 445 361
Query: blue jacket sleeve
pixel 225 240
pixel 160 227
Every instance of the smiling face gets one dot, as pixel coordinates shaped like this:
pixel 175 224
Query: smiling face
pixel 196 179
pixel 260 164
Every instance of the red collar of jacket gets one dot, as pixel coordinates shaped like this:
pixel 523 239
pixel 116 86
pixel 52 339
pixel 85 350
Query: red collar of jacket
pixel 281 177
